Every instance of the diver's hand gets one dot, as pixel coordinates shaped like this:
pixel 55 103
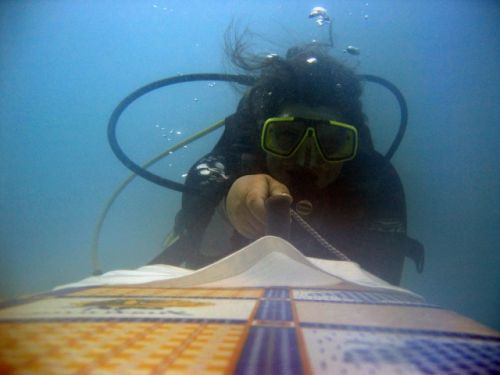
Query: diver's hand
pixel 245 206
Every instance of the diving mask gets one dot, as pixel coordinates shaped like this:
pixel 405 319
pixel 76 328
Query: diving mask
pixel 283 136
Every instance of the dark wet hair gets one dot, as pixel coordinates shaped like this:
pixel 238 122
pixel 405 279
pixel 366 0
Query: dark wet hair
pixel 307 75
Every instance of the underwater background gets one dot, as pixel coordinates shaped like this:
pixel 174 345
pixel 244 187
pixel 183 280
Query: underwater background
pixel 65 65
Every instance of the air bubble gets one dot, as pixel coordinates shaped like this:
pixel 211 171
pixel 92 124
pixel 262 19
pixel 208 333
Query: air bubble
pixel 184 175
pixel 211 84
pixel 320 16
pixel 352 50
pixel 178 132
pixel 366 16
pixel 196 99
pixel 312 60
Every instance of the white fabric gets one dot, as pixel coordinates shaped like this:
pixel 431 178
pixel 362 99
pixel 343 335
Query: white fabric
pixel 124 277
pixel 268 261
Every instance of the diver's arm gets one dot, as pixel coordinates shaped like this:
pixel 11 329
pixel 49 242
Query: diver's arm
pixel 213 175
pixel 207 175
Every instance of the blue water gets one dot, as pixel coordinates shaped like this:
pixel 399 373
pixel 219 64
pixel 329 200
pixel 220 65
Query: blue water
pixel 64 65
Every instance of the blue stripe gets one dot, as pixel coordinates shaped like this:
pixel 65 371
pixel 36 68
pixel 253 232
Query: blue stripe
pixel 270 350
pixel 274 310
pixel 276 293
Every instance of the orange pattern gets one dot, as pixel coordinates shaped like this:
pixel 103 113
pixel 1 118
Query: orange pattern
pixel 118 347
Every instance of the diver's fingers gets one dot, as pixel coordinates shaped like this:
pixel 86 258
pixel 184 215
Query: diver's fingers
pixel 236 207
pixel 264 186
pixel 255 200
pixel 277 188
pixel 245 205
pixel 251 229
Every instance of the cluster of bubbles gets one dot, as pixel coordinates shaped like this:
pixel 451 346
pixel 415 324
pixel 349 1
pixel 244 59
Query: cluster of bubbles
pixel 365 15
pixel 321 17
pixel 210 84
pixel 156 6
pixel 171 133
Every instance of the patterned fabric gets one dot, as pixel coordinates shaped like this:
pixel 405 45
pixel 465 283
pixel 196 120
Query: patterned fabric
pixel 134 330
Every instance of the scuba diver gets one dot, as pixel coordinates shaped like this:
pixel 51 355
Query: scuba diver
pixel 299 133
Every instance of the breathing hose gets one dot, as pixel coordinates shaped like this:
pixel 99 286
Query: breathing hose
pixel 112 125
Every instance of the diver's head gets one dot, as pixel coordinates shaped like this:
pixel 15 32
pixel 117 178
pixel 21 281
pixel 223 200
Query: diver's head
pixel 309 76
pixel 307 144
pixel 308 83
pixel 307 80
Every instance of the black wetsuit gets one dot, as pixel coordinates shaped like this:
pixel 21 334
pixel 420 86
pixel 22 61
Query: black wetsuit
pixel 362 213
